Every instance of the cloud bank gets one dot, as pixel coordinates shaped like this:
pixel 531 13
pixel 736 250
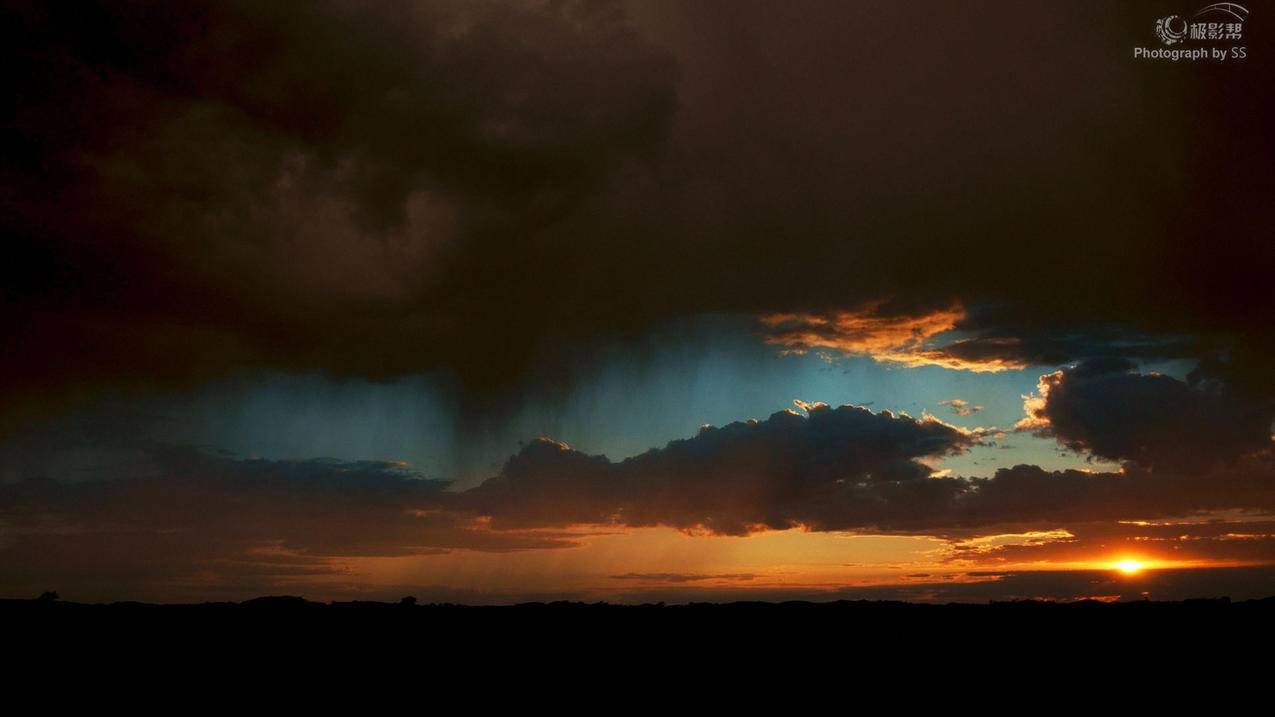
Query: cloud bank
pixel 493 190
pixel 200 515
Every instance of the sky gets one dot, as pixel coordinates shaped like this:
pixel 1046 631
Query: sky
pixel 491 302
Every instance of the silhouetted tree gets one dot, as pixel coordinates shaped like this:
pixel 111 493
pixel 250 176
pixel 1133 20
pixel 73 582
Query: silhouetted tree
pixel 48 596
pixel 409 601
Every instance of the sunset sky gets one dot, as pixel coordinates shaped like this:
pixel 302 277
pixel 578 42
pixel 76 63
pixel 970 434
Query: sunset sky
pixel 490 302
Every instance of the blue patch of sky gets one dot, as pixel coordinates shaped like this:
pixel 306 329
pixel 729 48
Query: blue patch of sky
pixel 628 398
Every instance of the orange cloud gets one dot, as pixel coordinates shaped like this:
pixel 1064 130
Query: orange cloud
pixel 902 339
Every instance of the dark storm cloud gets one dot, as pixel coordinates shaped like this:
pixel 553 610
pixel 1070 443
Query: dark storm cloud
pixel 483 188
pixel 202 516
pixel 188 514
pixel 195 187
pixel 850 469
pixel 1184 446
pixel 1103 408
pixel 836 469
pixel 1027 495
pixel 919 162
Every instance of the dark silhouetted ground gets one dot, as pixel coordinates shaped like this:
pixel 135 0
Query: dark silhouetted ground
pixel 556 651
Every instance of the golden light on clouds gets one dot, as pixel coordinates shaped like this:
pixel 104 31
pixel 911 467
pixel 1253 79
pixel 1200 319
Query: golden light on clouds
pixel 900 339
pixel 1034 404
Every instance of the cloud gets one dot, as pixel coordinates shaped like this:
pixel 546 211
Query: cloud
pixel 961 407
pixel 843 469
pixel 213 519
pixel 837 468
pixel 340 174
pixel 1104 408
pixel 360 190
pixel 896 338
pixel 979 339
pixel 205 521
pixel 196 518
pixel 1210 538
pixel 1027 495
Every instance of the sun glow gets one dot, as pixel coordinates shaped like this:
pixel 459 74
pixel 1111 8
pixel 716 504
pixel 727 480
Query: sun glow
pixel 1129 567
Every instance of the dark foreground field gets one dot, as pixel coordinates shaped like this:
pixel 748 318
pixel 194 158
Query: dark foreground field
pixel 287 606
pixel 756 619
pixel 647 648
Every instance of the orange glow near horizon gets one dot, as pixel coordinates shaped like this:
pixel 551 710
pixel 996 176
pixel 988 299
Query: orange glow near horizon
pixel 619 564
pixel 616 562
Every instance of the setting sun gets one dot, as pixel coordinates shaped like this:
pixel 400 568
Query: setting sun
pixel 1129 567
